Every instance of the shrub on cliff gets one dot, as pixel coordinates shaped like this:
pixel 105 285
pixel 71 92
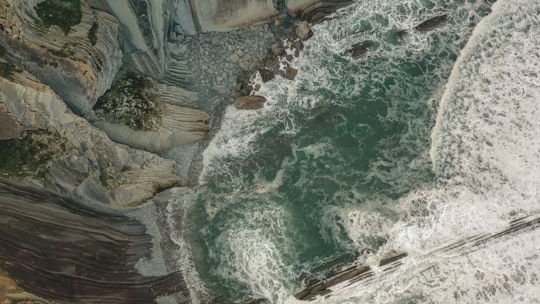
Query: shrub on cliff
pixel 31 155
pixel 63 13
pixel 131 101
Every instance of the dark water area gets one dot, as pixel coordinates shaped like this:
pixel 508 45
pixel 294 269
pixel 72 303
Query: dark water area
pixel 348 135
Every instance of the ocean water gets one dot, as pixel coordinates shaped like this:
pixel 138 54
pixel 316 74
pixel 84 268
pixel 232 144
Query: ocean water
pixel 422 143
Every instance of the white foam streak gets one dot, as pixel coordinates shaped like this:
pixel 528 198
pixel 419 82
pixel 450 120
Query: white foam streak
pixel 254 255
pixel 176 220
pixel 485 149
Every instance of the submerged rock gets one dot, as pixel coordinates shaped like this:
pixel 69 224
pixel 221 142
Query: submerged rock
pixel 432 23
pixel 249 102
pixel 290 73
pixel 400 35
pixel 360 49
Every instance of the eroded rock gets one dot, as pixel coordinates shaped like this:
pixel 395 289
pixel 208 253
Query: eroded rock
pixel 78 60
pixel 266 75
pixel 81 253
pixel 290 73
pixel 360 49
pixel 249 102
pixel 432 23
pixel 303 31
pixel 9 126
pixel 91 167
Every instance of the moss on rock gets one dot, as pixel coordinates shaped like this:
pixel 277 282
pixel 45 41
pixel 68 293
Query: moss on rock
pixel 7 68
pixel 131 101
pixel 62 13
pixel 31 154
pixel 92 33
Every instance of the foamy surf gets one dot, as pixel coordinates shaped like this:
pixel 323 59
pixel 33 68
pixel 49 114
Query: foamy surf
pixel 485 151
pixel 337 161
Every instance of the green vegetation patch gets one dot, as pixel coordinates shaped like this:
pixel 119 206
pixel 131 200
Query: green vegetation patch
pixel 131 101
pixel 63 13
pixel 92 33
pixel 65 52
pixel 8 70
pixel 30 155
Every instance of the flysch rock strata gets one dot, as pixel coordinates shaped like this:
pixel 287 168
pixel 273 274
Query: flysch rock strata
pixel 68 252
pixel 95 168
pixel 10 292
pixel 72 248
pixel 76 69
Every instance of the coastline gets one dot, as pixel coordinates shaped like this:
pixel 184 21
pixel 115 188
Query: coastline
pixel 221 64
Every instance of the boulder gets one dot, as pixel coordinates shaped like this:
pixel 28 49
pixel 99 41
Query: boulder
pixel 266 75
pixel 9 126
pixel 303 31
pixel 249 102
pixel 432 23
pixel 290 73
pixel 277 49
pixel 359 49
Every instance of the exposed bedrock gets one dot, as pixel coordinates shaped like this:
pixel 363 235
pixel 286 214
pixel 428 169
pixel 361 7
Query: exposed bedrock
pixel 178 126
pixel 59 249
pixel 144 26
pixel 79 62
pixel 317 11
pixel 196 16
pixel 81 161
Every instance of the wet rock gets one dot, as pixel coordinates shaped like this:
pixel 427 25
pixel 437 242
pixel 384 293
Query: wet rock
pixel 400 35
pixel 359 49
pixel 322 10
pixel 266 75
pixel 249 102
pixel 290 73
pixel 303 31
pixel 297 46
pixel 277 49
pixel 432 23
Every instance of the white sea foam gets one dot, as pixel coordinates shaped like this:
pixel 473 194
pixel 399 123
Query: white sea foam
pixel 252 249
pixel 176 220
pixel 240 129
pixel 485 149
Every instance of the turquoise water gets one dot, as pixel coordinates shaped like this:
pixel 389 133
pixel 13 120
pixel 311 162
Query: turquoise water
pixel 286 187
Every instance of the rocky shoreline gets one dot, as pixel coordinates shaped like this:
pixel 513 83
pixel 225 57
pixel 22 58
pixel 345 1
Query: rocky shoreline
pixel 93 212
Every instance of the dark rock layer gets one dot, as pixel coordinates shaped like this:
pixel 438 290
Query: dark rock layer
pixel 67 252
pixel 320 10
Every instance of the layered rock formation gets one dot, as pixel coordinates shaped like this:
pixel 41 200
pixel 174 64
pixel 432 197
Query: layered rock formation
pixel 79 66
pixel 91 166
pixel 68 252
pixel 196 16
pixel 61 177
pixel 67 175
